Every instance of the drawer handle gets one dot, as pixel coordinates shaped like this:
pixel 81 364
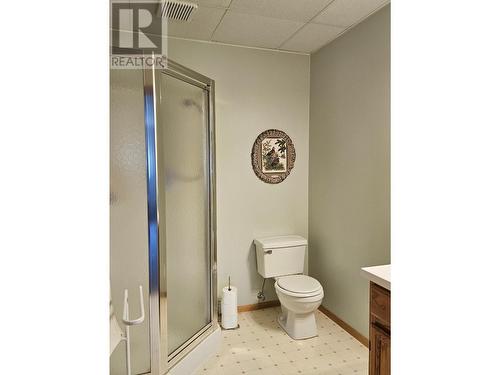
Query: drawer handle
pixel 268 252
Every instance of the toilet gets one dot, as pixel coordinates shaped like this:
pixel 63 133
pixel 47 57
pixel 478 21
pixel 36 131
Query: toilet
pixel 282 258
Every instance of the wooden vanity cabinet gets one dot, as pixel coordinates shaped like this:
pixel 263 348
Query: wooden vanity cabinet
pixel 380 330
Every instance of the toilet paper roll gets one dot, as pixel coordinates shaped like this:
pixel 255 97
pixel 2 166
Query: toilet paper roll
pixel 229 297
pixel 229 307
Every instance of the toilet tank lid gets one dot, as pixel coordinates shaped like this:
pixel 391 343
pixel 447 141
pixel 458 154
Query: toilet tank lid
pixel 277 242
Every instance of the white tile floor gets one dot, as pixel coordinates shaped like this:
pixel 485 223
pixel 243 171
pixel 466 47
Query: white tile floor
pixel 261 347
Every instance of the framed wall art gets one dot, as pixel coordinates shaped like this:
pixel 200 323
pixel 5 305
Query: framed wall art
pixel 273 156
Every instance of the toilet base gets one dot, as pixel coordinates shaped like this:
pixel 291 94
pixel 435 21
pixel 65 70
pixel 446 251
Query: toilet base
pixel 298 326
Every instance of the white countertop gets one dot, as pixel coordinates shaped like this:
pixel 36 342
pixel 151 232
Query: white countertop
pixel 380 275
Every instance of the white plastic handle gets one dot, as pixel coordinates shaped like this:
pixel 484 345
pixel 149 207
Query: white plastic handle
pixel 125 318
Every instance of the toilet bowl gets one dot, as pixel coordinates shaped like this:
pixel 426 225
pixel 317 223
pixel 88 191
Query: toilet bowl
pixel 300 296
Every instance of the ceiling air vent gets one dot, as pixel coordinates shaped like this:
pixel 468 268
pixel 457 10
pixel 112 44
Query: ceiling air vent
pixel 176 10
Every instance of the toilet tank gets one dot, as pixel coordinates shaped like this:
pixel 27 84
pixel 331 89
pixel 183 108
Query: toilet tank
pixel 280 255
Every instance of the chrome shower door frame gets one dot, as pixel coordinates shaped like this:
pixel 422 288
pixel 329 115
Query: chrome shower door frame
pixel 161 361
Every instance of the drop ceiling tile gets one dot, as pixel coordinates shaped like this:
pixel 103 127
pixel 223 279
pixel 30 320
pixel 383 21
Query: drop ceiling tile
pixel 201 26
pixel 311 38
pixel 295 10
pixel 253 30
pixel 348 12
pixel 212 3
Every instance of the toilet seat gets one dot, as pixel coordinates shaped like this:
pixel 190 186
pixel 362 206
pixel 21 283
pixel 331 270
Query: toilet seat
pixel 299 286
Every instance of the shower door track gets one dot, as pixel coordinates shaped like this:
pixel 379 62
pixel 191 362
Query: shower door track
pixel 161 361
pixel 190 344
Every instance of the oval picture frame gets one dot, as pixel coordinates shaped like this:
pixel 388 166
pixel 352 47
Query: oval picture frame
pixel 273 156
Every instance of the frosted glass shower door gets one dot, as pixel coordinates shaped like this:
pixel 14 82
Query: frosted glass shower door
pixel 184 206
pixel 128 212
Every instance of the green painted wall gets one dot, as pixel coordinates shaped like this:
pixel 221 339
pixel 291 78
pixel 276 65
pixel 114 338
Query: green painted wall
pixel 349 165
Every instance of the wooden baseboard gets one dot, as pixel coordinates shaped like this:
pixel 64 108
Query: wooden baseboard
pixel 258 306
pixel 358 336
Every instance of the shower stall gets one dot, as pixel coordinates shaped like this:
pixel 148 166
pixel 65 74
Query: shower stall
pixel 162 214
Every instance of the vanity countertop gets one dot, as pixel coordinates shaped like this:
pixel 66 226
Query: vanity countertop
pixel 380 275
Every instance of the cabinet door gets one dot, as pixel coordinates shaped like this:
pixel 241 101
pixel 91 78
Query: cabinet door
pixel 380 351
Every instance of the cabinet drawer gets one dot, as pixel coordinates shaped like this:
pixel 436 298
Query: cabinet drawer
pixel 380 303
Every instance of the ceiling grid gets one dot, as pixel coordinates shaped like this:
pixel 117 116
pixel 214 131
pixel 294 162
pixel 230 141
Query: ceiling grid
pixel 302 26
